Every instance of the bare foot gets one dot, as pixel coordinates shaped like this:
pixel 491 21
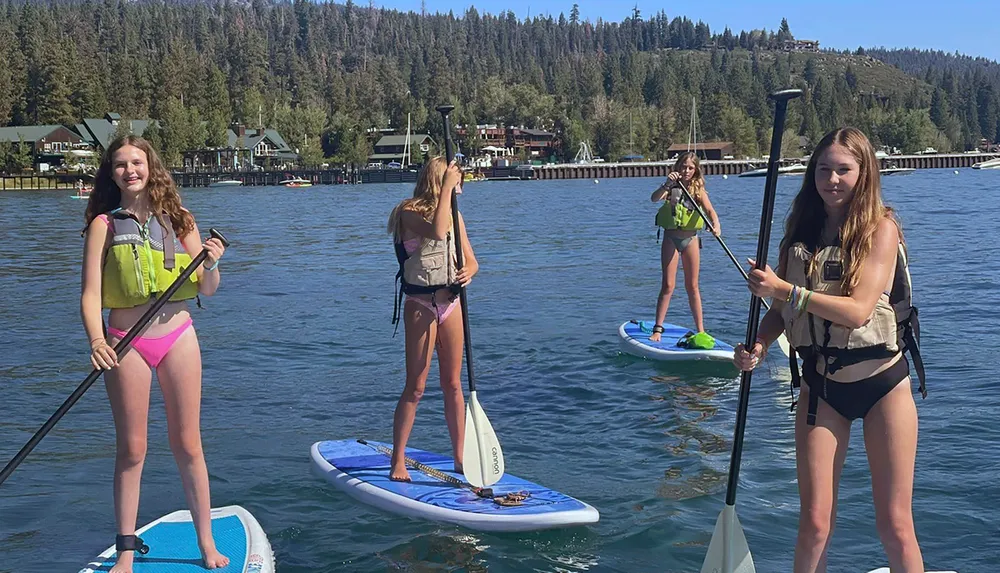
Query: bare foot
pixel 655 337
pixel 213 559
pixel 459 468
pixel 124 563
pixel 399 473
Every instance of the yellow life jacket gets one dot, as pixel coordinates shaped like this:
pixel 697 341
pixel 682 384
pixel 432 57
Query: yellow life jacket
pixel 678 213
pixel 143 261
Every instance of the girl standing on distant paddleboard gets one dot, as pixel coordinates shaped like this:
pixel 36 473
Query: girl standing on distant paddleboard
pixel 681 222
pixel 423 234
pixel 835 296
pixel 138 240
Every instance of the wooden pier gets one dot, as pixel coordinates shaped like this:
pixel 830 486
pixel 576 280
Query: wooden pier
pixel 350 174
pixel 735 167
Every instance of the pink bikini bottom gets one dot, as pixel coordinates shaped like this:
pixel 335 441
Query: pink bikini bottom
pixel 442 312
pixel 153 349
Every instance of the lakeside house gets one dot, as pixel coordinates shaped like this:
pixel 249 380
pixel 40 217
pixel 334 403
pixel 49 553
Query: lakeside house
pixel 246 149
pixel 98 132
pixel 713 150
pixel 73 147
pixel 522 141
pixel 50 146
pixel 391 149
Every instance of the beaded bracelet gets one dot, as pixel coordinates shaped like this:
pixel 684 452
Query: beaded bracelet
pixel 213 267
pixel 803 298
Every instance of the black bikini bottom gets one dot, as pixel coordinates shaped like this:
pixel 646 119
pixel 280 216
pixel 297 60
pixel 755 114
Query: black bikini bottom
pixel 852 400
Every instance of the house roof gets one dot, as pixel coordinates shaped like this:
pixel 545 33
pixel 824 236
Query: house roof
pixel 81 130
pixel 538 132
pixel 27 133
pixel 392 140
pixel 254 136
pixel 102 129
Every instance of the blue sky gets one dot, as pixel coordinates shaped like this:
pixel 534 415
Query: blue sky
pixel 969 27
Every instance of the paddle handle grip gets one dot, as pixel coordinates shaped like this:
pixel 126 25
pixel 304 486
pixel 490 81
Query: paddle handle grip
pixel 120 348
pixel 449 149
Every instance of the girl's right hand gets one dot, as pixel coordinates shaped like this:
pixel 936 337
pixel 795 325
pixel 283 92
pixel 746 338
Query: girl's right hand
pixel 102 356
pixel 674 176
pixel 452 177
pixel 748 360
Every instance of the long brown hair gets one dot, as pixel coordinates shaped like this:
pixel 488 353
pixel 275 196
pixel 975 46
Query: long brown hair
pixel 163 194
pixel 425 194
pixel 864 213
pixel 697 185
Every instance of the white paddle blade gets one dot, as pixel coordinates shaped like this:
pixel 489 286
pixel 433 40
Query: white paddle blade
pixel 728 551
pixel 783 344
pixel 482 458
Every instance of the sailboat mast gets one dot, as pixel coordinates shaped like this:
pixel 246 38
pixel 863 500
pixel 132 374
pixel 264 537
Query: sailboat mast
pixel 630 150
pixel 406 145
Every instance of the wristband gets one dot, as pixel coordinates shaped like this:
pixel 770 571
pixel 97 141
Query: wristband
pixel 213 267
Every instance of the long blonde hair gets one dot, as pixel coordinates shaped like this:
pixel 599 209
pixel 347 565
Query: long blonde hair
pixel 697 185
pixel 163 195
pixel 425 194
pixel 806 221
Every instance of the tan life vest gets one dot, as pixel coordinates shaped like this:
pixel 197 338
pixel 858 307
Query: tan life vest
pixel 431 267
pixel 434 266
pixel 821 273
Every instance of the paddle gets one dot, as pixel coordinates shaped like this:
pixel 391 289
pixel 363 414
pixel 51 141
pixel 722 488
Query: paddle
pixel 119 350
pixel 482 458
pixel 782 341
pixel 728 551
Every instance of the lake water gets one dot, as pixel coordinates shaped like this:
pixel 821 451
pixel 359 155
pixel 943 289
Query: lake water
pixel 298 347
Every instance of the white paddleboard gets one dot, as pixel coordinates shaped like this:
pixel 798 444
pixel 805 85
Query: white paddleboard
pixel 173 545
pixel 634 337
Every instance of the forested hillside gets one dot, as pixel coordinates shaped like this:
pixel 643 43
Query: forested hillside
pixel 324 74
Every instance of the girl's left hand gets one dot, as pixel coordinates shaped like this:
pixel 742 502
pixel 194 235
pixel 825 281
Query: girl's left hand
pixel 215 251
pixel 763 282
pixel 716 229
pixel 465 274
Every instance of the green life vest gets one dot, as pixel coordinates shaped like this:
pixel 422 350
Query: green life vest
pixel 678 213
pixel 143 261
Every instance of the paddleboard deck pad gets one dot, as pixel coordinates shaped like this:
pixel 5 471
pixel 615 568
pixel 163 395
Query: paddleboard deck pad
pixel 173 545
pixel 362 471
pixel 634 336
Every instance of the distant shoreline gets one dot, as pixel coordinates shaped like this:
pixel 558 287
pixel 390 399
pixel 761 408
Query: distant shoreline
pixel 545 172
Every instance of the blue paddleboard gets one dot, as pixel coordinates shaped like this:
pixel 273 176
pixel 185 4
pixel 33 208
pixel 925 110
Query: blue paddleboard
pixel 173 545
pixel 362 471
pixel 634 337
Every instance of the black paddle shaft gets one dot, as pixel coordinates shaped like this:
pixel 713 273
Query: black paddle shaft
pixel 449 147
pixel 708 223
pixel 763 238
pixel 120 348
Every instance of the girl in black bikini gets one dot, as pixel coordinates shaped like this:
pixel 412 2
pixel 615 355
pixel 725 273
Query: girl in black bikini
pixel 831 297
